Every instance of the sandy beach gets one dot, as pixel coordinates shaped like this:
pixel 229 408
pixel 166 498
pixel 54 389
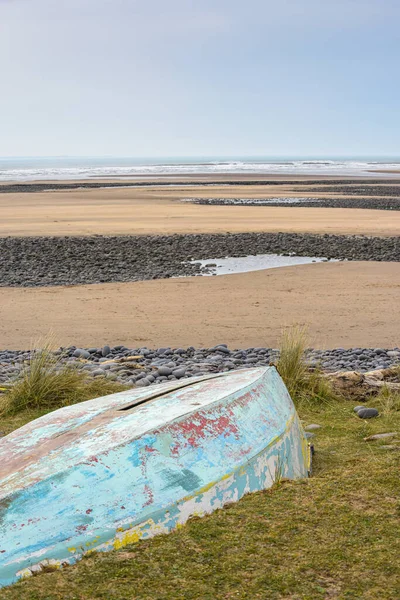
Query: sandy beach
pixel 342 304
pixel 158 210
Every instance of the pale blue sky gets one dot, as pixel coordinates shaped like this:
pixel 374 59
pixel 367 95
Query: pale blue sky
pixel 200 77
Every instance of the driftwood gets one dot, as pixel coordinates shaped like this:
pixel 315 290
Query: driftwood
pixel 365 384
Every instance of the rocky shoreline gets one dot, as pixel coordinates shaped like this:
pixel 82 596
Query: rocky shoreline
pixel 387 203
pixel 390 186
pixel 49 261
pixel 143 366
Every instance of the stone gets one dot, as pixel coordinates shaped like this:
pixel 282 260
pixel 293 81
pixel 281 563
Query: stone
pixel 142 382
pixel 166 371
pixel 357 408
pixel 368 413
pixel 80 353
pixel 312 427
pixel 179 373
pixel 97 372
pixel 380 436
pixel 106 350
pixel 223 349
pixel 229 365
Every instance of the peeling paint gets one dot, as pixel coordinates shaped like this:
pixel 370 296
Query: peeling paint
pixel 93 477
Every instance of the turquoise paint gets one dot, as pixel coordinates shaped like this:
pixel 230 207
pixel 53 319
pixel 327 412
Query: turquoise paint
pixel 146 470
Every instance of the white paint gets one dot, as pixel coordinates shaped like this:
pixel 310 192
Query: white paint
pixel 244 264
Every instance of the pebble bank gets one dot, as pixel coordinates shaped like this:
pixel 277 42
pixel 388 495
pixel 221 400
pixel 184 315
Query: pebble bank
pixel 162 364
pixel 46 261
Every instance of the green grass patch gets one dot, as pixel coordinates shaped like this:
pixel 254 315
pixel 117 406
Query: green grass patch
pixel 46 383
pixel 335 535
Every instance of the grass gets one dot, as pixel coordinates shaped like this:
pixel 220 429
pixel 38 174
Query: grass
pixel 333 536
pixel 336 535
pixel 388 401
pixel 304 385
pixel 46 383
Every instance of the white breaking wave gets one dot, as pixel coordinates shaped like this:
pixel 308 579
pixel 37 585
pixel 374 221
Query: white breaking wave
pixel 37 169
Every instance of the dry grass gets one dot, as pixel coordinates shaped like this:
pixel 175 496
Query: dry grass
pixel 46 383
pixel 304 385
pixel 388 401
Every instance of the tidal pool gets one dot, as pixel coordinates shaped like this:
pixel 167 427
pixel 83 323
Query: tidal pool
pixel 259 262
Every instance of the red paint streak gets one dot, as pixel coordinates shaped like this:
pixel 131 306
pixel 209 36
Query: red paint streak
pixel 150 449
pixel 2 551
pixel 175 450
pixel 93 459
pixel 244 452
pixel 203 424
pixel 89 510
pixel 81 528
pixel 150 497
pixel 32 521
pixel 199 426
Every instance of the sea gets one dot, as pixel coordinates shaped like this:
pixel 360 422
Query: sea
pixel 66 167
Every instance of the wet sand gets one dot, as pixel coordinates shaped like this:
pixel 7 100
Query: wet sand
pixel 343 304
pixel 158 210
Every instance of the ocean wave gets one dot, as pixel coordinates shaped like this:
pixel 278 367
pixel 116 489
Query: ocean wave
pixel 27 170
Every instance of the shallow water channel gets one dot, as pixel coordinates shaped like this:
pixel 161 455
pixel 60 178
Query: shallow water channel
pixel 244 264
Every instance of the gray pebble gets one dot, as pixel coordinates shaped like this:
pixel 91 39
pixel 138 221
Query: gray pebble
pixel 166 371
pixel 179 373
pixel 380 436
pixel 98 372
pixel 368 413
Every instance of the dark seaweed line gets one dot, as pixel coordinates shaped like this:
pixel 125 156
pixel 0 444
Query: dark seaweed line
pixel 43 187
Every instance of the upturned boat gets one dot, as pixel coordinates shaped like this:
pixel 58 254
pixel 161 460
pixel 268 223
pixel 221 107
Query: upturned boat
pixel 118 469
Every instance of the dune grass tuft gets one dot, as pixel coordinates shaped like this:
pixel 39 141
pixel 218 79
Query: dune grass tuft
pixel 388 400
pixel 46 383
pixel 304 384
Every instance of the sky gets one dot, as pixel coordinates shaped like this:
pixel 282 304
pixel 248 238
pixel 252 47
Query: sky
pixel 187 78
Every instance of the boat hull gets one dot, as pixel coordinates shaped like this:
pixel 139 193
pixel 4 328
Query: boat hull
pixel 228 436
